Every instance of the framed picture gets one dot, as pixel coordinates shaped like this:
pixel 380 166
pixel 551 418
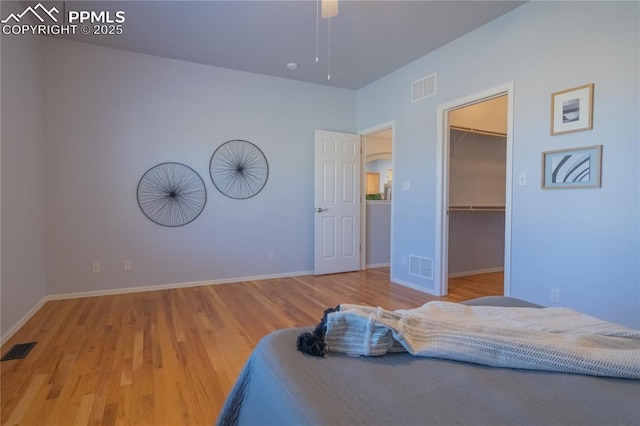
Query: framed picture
pixel 572 168
pixel 572 110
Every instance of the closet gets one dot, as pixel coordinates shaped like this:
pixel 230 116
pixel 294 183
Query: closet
pixel 477 182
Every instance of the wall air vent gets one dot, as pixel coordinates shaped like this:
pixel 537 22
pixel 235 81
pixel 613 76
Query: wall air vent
pixel 423 88
pixel 421 267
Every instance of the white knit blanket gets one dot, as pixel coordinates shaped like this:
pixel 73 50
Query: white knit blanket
pixel 548 339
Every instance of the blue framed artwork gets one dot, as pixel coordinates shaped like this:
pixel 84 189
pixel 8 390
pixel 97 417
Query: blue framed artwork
pixel 572 168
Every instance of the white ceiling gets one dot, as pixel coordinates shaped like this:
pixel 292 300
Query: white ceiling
pixel 369 39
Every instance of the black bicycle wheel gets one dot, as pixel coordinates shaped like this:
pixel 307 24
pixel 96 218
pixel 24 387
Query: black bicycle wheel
pixel 171 194
pixel 238 169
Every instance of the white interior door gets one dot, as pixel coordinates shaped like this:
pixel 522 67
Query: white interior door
pixel 337 202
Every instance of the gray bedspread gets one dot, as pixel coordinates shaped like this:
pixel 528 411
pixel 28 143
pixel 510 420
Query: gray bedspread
pixel 281 386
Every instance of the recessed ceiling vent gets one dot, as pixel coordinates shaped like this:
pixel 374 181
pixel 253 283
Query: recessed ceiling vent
pixel 423 88
pixel 421 267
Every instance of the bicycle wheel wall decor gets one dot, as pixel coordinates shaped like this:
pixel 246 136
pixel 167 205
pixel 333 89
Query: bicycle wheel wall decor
pixel 238 169
pixel 171 194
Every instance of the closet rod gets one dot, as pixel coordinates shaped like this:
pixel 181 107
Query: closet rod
pixel 476 208
pixel 481 132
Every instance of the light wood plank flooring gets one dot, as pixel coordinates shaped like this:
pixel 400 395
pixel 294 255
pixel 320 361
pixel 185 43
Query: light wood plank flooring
pixel 170 357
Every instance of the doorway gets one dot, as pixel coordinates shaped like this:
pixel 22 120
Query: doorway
pixel 474 200
pixel 377 183
pixel 477 180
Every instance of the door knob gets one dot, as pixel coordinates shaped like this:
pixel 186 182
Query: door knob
pixel 320 210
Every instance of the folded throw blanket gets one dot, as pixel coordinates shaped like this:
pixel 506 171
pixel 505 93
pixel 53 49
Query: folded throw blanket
pixel 547 339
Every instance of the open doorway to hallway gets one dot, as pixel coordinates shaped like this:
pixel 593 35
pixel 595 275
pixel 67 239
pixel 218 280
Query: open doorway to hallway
pixel 377 159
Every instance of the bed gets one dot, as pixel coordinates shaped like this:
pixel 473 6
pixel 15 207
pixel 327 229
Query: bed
pixel 281 386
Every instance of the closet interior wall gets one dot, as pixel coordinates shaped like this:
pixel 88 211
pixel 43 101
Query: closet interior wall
pixel 477 177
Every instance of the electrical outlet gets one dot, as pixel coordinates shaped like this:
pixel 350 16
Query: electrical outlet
pixel 127 265
pixel 270 255
pixel 555 295
pixel 96 267
pixel 406 185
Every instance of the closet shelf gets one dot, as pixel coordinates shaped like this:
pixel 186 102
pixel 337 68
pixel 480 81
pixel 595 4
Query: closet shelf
pixel 476 208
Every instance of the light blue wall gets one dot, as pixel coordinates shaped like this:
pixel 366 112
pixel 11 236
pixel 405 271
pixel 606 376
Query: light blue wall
pixel 23 279
pixel 585 241
pixel 111 115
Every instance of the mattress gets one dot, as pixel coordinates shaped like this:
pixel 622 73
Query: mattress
pixel 281 386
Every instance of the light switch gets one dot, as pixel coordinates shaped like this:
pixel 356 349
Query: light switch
pixel 522 178
pixel 406 185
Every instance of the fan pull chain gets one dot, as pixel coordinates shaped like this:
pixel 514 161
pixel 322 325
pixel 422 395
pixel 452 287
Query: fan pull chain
pixel 317 27
pixel 329 51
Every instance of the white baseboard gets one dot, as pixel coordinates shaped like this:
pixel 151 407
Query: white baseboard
pixel 479 271
pixel 172 286
pixel 377 265
pixel 22 321
pixel 413 286
pixel 82 294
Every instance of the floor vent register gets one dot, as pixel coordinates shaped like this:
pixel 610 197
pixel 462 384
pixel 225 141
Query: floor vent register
pixel 18 351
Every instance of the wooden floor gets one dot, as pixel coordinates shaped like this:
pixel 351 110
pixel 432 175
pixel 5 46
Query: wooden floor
pixel 170 357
